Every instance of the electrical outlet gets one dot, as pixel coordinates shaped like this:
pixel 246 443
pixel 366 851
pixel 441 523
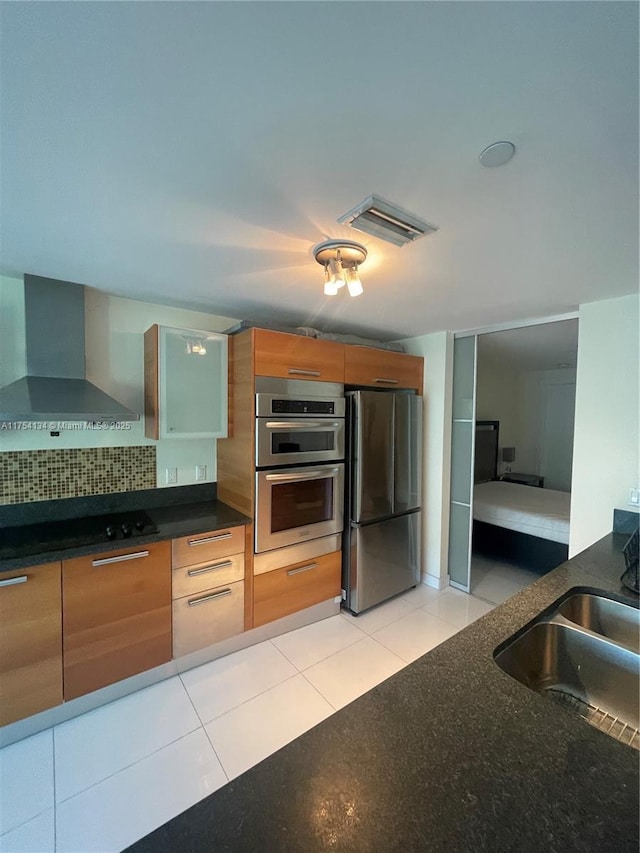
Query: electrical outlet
pixel 201 472
pixel 171 475
pixel 634 497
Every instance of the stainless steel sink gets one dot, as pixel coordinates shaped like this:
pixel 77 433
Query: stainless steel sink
pixel 583 651
pixel 604 616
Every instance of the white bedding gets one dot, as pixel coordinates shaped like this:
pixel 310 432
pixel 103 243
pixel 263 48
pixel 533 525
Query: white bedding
pixel 526 509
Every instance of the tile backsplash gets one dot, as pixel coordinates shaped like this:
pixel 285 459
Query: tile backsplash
pixel 38 475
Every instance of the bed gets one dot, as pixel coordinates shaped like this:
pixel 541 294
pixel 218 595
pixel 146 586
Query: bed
pixel 538 512
pixel 523 524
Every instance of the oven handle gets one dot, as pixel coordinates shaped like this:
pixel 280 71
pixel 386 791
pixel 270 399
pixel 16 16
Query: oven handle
pixel 307 475
pixel 307 425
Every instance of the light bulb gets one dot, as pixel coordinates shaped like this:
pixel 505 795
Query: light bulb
pixel 337 273
pixel 330 288
pixel 353 283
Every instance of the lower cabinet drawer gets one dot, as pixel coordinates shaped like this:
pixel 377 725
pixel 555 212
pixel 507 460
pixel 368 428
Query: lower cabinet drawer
pixel 188 580
pixel 208 617
pixel 207 546
pixel 30 641
pixel 116 615
pixel 284 591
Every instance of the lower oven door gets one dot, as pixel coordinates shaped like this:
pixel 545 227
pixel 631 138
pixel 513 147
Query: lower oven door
pixel 298 504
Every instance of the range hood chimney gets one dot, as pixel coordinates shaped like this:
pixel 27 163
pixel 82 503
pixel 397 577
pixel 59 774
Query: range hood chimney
pixel 55 387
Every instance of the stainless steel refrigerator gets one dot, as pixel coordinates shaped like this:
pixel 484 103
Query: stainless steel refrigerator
pixel 383 495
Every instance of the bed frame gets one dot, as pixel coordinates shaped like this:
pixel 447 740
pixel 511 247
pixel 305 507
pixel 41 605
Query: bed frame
pixel 530 552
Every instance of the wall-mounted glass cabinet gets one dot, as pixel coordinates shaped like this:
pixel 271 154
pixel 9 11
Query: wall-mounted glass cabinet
pixel 185 383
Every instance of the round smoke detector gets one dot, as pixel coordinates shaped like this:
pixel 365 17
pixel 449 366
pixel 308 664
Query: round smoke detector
pixel 497 154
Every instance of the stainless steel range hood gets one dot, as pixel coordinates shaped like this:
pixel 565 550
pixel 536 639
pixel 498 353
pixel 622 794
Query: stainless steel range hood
pixel 55 387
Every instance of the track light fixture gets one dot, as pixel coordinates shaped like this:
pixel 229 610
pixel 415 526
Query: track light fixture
pixel 340 259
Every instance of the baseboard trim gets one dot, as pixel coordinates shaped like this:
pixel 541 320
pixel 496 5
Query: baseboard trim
pixel 433 581
pixel 75 707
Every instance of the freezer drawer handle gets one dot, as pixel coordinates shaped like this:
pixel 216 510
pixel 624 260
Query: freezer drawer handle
pixel 300 372
pixel 385 381
pixel 306 568
pixel 208 539
pixel 308 475
pixel 203 571
pixel 121 559
pixel 13 581
pixel 193 602
pixel 307 425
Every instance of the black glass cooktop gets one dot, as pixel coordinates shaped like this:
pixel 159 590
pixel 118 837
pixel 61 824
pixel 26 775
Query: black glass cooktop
pixel 74 533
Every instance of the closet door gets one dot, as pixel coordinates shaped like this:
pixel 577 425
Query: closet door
pixel 462 450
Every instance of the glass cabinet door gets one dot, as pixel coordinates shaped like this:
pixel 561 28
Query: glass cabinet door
pixel 462 449
pixel 192 383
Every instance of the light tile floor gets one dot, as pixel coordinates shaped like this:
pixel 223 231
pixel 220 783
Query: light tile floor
pixel 103 780
pixel 497 580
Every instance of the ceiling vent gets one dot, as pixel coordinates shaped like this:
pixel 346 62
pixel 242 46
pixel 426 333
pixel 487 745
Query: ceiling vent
pixel 387 221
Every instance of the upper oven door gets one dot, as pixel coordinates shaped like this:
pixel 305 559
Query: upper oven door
pixel 291 441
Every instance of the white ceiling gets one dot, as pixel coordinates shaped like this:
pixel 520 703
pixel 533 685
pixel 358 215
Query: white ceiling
pixel 193 153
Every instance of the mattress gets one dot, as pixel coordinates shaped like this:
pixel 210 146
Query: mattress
pixel 525 509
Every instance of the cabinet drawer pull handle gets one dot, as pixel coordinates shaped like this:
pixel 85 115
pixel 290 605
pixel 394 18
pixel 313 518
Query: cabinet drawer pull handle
pixel 193 602
pixel 208 539
pixel 386 381
pixel 299 371
pixel 306 568
pixel 121 559
pixel 203 571
pixel 13 581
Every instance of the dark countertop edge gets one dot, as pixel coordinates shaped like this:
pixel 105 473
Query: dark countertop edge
pixel 542 772
pixel 172 522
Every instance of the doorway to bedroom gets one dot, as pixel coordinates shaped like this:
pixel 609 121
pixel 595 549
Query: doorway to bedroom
pixel 511 460
pixel 525 385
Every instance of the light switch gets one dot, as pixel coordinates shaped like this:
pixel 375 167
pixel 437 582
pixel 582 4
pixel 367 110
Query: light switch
pixel 201 472
pixel 634 497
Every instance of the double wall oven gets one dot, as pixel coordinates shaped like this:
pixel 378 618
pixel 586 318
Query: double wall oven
pixel 300 434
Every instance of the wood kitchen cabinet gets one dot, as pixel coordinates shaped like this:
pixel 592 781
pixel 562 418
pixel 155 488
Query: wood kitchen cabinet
pixel 116 615
pixel 382 368
pixel 261 352
pixel 185 383
pixel 207 589
pixel 30 641
pixel 286 590
pixel 297 357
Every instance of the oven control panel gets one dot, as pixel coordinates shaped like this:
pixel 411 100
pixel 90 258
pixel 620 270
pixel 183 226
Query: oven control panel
pixel 303 407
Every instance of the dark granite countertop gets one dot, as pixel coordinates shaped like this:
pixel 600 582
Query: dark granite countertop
pixel 172 521
pixel 449 754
